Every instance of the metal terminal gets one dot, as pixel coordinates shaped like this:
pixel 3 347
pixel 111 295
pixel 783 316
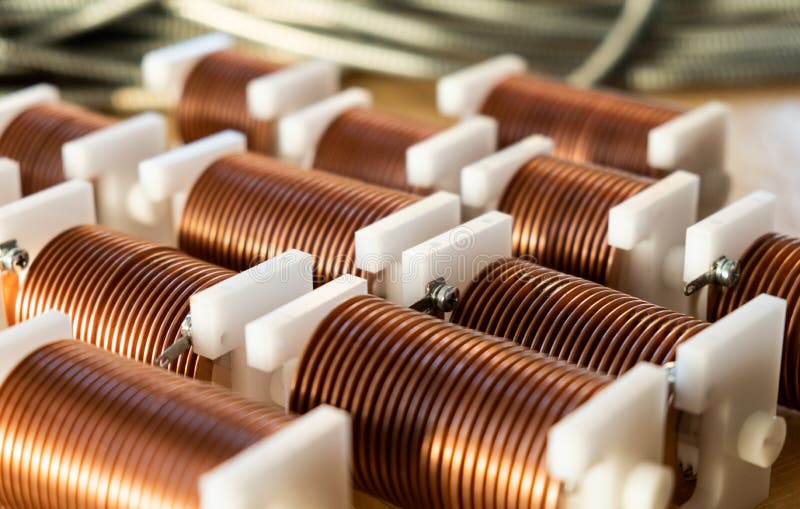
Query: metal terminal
pixel 439 297
pixel 12 257
pixel 179 346
pixel 724 272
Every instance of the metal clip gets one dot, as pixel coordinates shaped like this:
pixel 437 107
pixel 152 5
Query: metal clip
pixel 724 272
pixel 439 297
pixel 12 257
pixel 179 346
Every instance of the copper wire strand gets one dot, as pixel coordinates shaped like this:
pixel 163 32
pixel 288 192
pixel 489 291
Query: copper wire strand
pixel 34 139
pixel 458 418
pixel 560 211
pixel 246 208
pixel 597 126
pixel 371 145
pixel 122 294
pixel 100 431
pixel 770 265
pixel 214 98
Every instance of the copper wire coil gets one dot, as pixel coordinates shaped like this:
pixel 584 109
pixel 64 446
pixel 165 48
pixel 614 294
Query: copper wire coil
pixel 214 98
pixel 94 430
pixel 442 416
pixel 370 145
pixel 35 136
pixel 560 211
pixel 770 265
pixel 586 125
pixel 124 295
pixel 246 208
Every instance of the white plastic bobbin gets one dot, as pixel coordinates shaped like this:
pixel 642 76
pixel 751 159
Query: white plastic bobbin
pixel 304 464
pixel 15 103
pixel 10 183
pixel 462 93
pixel 727 377
pixel 608 452
pixel 21 340
pixel 290 88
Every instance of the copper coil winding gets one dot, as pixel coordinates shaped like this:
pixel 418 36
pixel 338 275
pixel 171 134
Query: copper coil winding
pixel 370 145
pixel 93 430
pixel 560 210
pixel 246 208
pixel 35 136
pixel 123 295
pixel 770 265
pixel 586 125
pixel 456 418
pixel 214 98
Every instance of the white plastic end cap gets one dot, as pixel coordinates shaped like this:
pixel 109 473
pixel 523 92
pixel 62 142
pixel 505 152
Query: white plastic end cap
pixel 10 182
pixel 648 486
pixel 288 89
pixel 19 341
pixel 462 93
pixel 13 104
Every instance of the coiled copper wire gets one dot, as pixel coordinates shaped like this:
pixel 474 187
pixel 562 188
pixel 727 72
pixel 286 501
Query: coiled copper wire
pixel 123 295
pixel 214 98
pixel 35 136
pixel 442 416
pixel 770 265
pixel 246 208
pixel 370 145
pixel 560 210
pixel 596 126
pixel 82 428
pixel 572 319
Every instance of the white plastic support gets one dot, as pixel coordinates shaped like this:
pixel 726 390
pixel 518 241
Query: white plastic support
pixel 19 341
pixel 727 376
pixel 13 104
pixel 303 465
pixel 648 227
pixel 165 69
pixel 10 184
pixel 609 450
pixel 457 255
pixel 299 132
pixel 462 93
pixel 484 182
pixel 436 161
pixel 293 87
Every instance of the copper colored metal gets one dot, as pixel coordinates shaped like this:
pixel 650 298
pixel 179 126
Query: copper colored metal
pixel 82 428
pixel 596 126
pixel 35 136
pixel 560 210
pixel 770 265
pixel 370 145
pixel 443 416
pixel 246 208
pixel 123 295
pixel 215 98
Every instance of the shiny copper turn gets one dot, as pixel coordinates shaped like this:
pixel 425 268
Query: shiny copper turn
pixel 215 98
pixel 81 428
pixel 442 416
pixel 35 136
pixel 596 126
pixel 560 211
pixel 124 295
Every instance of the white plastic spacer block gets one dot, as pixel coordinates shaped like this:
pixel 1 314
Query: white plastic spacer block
pixel 609 450
pixel 457 255
pixel 34 220
pixel 165 69
pixel 484 182
pixel 176 171
pixel 304 464
pixel 221 312
pixel 21 340
pixel 10 183
pixel 280 336
pixel 728 232
pixel 293 87
pixel 13 104
pixel 299 133
pixel 436 162
pixel 382 243
pixel 462 93
pixel 728 375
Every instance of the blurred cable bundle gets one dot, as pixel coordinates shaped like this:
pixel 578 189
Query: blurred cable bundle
pixel 92 48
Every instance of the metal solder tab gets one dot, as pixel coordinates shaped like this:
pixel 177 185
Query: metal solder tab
pixel 179 346
pixel 724 272
pixel 12 257
pixel 439 297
